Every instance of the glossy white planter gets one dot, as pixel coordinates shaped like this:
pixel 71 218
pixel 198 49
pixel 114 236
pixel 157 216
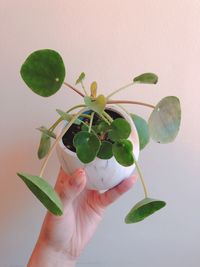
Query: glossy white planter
pixel 101 174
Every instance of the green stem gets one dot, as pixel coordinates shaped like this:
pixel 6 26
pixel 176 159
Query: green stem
pixel 61 119
pixel 107 116
pixel 65 129
pixel 84 116
pixel 141 176
pixel 130 102
pixel 120 89
pixel 91 121
pixel 84 88
pixel 106 120
pixel 74 89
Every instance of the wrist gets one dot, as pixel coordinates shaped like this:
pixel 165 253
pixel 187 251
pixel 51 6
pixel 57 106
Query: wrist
pixel 46 256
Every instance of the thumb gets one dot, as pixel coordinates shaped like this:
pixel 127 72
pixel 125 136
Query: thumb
pixel 73 186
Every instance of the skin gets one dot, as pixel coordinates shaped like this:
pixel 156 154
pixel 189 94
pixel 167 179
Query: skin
pixel 62 238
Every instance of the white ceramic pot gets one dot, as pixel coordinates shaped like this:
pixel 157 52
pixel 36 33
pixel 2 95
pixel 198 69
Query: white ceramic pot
pixel 101 174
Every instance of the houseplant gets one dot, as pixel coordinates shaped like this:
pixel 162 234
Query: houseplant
pixel 97 132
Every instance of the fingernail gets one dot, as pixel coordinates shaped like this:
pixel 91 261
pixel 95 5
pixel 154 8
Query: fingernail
pixel 77 178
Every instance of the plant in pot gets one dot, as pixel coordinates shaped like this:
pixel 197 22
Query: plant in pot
pixel 98 134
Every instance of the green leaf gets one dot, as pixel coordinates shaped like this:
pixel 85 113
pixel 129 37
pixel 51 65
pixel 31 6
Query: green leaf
pixel 87 146
pixel 164 121
pixel 44 192
pixel 143 209
pixel 98 105
pixel 122 151
pixel 67 117
pixel 93 89
pixel 119 129
pixel 43 72
pixel 105 151
pixel 45 144
pixel 142 130
pixel 80 78
pixel 150 78
pixel 101 127
pixel 46 131
pixel 84 128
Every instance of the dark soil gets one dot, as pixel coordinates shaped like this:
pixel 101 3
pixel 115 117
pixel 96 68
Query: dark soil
pixel 69 135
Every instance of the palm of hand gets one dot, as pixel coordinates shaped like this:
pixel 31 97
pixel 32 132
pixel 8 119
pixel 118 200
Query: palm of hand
pixel 83 211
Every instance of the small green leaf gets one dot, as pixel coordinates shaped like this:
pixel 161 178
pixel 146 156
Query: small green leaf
pixel 45 144
pixel 93 89
pixel 105 151
pixel 98 105
pixel 44 192
pixel 67 117
pixel 80 78
pixel 150 78
pixel 119 129
pixel 142 130
pixel 43 72
pixel 143 209
pixel 85 128
pixel 102 127
pixel 164 121
pixel 87 146
pixel 122 151
pixel 46 131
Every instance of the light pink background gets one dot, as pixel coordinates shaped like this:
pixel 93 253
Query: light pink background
pixel 111 41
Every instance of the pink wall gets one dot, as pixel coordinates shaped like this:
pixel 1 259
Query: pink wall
pixel 111 41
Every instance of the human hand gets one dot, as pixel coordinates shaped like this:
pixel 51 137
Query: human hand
pixel 62 238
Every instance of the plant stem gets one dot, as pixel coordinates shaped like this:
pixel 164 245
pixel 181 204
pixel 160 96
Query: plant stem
pixel 108 116
pixel 120 89
pixel 84 88
pixel 91 121
pixel 141 176
pixel 106 120
pixel 74 89
pixel 60 119
pixel 58 139
pixel 130 102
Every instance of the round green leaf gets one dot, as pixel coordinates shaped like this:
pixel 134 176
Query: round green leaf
pixel 45 144
pixel 143 209
pixel 43 72
pixel 164 121
pixel 119 129
pixel 87 146
pixel 44 192
pixel 105 151
pixel 150 78
pixel 122 151
pixel 142 130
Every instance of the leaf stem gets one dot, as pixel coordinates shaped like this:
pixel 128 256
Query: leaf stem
pixel 105 119
pixel 120 89
pixel 74 89
pixel 91 121
pixel 108 116
pixel 58 139
pixel 141 176
pixel 84 88
pixel 130 102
